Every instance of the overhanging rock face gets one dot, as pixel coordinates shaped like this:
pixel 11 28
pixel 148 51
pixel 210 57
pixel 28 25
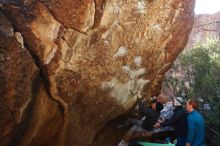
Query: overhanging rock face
pixel 95 57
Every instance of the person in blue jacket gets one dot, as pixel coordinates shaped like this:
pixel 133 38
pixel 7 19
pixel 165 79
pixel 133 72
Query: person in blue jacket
pixel 196 125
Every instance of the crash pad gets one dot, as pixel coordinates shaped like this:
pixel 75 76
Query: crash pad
pixel 154 144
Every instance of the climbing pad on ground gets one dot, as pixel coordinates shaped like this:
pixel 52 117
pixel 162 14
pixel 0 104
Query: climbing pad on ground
pixel 154 144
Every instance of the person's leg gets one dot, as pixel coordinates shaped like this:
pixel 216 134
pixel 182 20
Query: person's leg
pixel 128 135
pixel 123 143
pixel 181 141
pixel 134 143
pixel 135 131
pixel 161 135
pixel 134 121
pixel 136 127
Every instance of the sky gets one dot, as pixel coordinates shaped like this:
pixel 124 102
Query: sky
pixel 207 6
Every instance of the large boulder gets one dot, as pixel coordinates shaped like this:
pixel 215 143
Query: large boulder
pixel 96 58
pixel 27 113
pixel 17 74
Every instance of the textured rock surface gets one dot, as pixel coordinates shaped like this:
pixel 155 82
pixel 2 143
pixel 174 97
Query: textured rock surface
pixel 27 114
pixel 17 72
pixel 95 58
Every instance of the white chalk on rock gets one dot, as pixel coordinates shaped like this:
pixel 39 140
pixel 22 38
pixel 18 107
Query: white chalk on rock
pixel 107 86
pixel 122 51
pixel 126 69
pixel 136 73
pixel 141 6
pixel 138 61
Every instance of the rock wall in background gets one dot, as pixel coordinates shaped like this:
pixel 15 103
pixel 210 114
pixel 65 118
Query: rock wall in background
pixel 75 65
pixel 205 26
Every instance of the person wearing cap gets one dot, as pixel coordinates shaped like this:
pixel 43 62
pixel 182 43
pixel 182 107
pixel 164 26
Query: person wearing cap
pixel 178 121
pixel 150 113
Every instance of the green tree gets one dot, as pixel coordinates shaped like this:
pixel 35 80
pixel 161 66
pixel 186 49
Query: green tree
pixel 203 63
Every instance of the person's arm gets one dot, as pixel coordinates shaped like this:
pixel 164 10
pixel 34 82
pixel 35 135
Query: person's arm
pixel 141 106
pixel 173 120
pixel 191 130
pixel 169 122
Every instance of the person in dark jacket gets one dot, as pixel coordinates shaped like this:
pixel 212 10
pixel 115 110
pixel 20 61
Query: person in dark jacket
pixel 150 114
pixel 178 121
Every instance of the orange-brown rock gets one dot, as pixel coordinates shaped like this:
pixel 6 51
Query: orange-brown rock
pixel 17 74
pixel 97 58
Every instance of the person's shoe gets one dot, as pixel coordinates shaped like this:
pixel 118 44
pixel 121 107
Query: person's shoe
pixel 123 143
pixel 120 126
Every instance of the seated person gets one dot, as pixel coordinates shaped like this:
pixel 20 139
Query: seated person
pixel 150 113
pixel 166 113
pixel 159 133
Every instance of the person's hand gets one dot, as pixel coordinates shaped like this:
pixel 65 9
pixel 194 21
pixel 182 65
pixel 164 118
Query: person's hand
pixel 139 97
pixel 187 144
pixel 157 125
pixel 128 136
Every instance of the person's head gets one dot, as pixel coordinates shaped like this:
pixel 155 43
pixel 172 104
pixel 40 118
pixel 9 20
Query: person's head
pixel 153 104
pixel 178 101
pixel 163 98
pixel 192 105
